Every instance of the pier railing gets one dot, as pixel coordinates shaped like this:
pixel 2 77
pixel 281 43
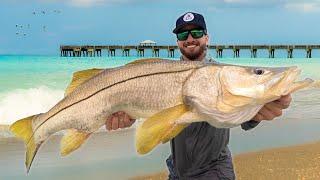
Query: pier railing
pixel 90 50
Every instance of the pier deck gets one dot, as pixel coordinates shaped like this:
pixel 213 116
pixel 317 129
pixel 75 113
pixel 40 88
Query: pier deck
pixel 91 50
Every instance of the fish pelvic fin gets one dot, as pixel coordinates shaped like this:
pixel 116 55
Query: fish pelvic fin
pixel 72 140
pixel 80 77
pixel 160 127
pixel 23 130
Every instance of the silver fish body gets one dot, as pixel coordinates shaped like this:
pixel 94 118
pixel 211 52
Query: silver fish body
pixel 169 94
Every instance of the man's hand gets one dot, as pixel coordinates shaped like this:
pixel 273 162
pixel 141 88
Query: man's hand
pixel 273 109
pixel 119 120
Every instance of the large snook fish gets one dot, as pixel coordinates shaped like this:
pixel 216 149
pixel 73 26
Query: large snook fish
pixel 169 94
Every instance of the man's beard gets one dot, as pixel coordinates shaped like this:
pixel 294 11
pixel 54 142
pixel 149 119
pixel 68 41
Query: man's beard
pixel 193 56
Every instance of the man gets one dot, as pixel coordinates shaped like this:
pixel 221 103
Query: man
pixel 201 151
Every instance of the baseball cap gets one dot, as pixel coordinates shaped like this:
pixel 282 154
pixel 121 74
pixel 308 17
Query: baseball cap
pixel 190 18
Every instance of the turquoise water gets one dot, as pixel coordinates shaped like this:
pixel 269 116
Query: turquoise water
pixel 33 84
pixel 22 72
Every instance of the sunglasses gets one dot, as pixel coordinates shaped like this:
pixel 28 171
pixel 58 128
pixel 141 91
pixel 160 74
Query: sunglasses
pixel 195 33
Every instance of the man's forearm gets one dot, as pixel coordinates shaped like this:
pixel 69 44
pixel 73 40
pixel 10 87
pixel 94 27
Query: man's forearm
pixel 249 125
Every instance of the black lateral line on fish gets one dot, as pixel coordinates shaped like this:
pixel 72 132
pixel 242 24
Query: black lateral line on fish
pixel 169 72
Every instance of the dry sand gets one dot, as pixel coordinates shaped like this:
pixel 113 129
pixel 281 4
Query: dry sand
pixel 287 163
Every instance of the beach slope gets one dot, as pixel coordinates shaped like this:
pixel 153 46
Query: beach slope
pixel 294 162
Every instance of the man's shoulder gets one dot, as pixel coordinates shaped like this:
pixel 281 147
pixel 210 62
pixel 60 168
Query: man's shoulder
pixel 211 60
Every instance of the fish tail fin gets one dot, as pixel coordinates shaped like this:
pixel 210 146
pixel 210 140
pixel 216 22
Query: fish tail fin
pixel 23 129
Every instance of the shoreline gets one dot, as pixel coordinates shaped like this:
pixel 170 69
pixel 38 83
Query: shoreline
pixel 291 162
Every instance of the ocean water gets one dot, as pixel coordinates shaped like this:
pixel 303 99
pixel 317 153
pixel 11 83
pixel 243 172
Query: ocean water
pixel 33 84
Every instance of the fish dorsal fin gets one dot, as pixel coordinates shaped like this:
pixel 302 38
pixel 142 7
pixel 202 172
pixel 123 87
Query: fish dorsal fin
pixel 149 60
pixel 80 77
pixel 72 140
pixel 160 127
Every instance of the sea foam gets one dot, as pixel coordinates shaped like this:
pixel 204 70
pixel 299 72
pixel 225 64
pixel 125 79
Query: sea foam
pixel 22 103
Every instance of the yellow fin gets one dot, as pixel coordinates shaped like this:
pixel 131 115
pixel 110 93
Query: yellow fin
pixel 72 140
pixel 149 60
pixel 173 132
pixel 23 129
pixel 316 84
pixel 80 77
pixel 160 127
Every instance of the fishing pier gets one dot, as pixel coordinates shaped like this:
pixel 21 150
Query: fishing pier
pixel 139 50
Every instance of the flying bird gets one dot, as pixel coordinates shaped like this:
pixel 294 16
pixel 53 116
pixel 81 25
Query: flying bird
pixel 57 11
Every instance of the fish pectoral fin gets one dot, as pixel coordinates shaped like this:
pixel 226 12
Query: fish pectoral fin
pixel 149 60
pixel 173 132
pixel 23 129
pixel 72 140
pixel 182 122
pixel 80 77
pixel 160 127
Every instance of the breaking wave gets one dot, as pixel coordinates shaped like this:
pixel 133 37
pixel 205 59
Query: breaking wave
pixel 21 103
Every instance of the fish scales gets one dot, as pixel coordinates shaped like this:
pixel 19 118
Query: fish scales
pixel 169 94
pixel 110 91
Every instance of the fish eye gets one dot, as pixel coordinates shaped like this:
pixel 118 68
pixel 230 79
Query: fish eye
pixel 258 71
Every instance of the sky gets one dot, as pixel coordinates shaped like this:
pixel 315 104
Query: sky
pixel 41 26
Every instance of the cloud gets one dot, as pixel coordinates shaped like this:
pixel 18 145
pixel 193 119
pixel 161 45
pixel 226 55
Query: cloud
pixel 89 3
pixel 243 3
pixel 292 5
pixel 92 3
pixel 313 6
pixel 85 3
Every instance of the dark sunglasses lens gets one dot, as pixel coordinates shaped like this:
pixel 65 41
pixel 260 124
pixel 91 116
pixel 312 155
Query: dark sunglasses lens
pixel 197 33
pixel 182 36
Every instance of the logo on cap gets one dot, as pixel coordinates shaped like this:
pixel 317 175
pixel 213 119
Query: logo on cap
pixel 188 17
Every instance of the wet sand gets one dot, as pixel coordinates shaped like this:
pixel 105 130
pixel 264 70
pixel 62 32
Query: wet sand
pixel 286 163
pixel 113 155
pixel 106 155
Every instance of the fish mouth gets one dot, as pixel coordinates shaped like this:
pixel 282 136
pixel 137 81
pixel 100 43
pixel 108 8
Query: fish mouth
pixel 287 82
pixel 284 78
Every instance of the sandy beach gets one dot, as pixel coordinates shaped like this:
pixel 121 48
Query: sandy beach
pixel 110 155
pixel 286 163
pixel 113 155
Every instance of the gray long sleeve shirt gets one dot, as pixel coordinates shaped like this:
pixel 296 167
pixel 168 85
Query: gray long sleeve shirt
pixel 201 151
